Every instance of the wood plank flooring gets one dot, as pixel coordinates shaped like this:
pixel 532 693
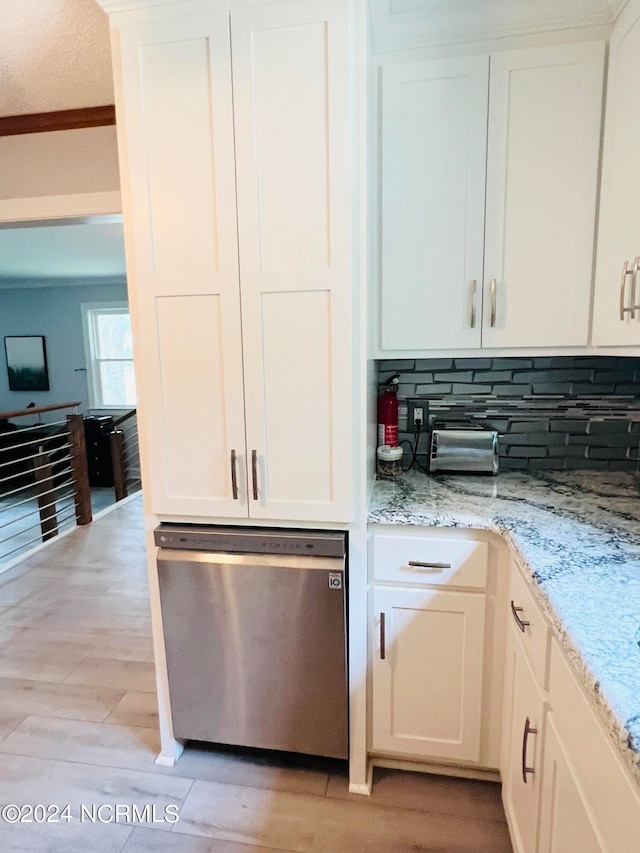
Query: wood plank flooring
pixel 78 727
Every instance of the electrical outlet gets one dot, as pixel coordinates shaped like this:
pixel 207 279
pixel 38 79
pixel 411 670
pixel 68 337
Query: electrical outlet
pixel 417 410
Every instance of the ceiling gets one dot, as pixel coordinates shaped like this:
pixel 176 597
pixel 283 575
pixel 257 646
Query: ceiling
pixel 83 251
pixel 54 55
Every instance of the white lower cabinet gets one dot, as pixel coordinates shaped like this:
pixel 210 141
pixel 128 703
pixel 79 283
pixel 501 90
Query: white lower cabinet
pixel 523 731
pixel 564 786
pixel 565 821
pixel 432 606
pixel 451 687
pixel 427 672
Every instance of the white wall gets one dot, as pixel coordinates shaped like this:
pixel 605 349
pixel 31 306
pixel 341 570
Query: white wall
pixel 59 163
pixel 55 313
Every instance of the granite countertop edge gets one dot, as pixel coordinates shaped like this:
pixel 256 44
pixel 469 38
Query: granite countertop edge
pixel 494 519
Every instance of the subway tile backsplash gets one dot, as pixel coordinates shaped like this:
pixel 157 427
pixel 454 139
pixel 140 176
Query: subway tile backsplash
pixel 560 412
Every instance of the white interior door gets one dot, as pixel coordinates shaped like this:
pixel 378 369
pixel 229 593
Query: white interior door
pixel 180 226
pixel 434 144
pixel 544 134
pixel 291 92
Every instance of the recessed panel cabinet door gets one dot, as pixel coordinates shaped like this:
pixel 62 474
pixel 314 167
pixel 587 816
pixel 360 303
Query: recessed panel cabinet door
pixel 434 145
pixel 565 822
pixel 542 170
pixel 521 768
pixel 290 83
pixel 619 222
pixel 174 96
pixel 427 672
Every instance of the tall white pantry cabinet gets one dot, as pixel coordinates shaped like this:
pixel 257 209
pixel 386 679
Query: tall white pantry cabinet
pixel 234 137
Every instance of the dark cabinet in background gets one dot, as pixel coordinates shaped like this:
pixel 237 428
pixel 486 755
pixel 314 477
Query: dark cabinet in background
pixel 98 444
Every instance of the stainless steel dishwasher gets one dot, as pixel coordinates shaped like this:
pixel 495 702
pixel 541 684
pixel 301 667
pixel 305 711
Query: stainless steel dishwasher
pixel 254 629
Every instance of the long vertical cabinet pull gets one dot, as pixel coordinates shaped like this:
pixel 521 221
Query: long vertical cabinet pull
pixel 528 730
pixel 234 476
pixel 493 287
pixel 254 473
pixel 383 637
pixel 474 299
pixel 634 280
pixel 623 281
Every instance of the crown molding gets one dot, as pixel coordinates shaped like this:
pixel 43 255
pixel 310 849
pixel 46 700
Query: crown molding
pixel 400 24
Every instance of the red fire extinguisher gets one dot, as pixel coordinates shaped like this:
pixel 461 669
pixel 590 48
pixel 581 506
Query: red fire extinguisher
pixel 388 412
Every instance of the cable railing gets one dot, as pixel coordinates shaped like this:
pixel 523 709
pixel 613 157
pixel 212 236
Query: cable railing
pixel 44 485
pixel 125 455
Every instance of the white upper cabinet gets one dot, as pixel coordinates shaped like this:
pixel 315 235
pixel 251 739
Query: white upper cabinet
pixel 616 320
pixel 238 210
pixel 434 143
pixel 290 85
pixel 178 167
pixel 542 171
pixel 511 267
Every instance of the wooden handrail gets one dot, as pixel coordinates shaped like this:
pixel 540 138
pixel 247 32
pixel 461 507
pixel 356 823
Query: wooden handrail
pixel 124 418
pixel 35 410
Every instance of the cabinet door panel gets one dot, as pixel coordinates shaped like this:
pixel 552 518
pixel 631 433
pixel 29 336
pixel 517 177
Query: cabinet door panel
pixel 523 703
pixel 290 78
pixel 179 184
pixel 190 437
pixel 565 823
pixel 427 691
pixel 182 262
pixel 619 221
pixel 434 132
pixel 542 169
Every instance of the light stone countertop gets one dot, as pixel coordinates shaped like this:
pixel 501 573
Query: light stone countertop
pixel 577 536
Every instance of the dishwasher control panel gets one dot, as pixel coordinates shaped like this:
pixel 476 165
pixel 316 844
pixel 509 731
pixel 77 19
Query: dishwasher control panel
pixel 233 540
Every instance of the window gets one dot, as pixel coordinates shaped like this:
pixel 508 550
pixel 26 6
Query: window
pixel 109 353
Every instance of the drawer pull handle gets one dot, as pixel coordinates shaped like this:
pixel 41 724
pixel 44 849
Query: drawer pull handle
pixel 383 638
pixel 418 564
pixel 528 730
pixel 521 623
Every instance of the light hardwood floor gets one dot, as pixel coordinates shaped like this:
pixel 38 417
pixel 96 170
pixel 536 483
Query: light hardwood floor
pixel 78 726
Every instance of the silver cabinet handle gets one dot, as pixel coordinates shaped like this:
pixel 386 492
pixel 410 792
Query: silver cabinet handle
pixel 634 278
pixel 474 299
pixel 383 638
pixel 623 281
pixel 493 288
pixel 521 623
pixel 528 730
pixel 418 564
pixel 234 476
pixel 254 473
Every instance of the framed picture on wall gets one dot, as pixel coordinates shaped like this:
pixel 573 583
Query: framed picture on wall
pixel 27 363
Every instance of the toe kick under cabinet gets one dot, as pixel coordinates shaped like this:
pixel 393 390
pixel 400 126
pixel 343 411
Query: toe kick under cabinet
pixel 435 647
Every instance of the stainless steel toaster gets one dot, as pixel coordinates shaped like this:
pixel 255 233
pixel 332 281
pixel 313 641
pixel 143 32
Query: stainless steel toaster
pixel 464 450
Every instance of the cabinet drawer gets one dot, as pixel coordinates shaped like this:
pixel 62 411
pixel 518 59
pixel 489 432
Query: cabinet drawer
pixel 427 560
pixel 533 629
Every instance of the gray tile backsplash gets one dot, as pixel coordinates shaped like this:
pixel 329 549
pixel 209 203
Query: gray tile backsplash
pixel 559 412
